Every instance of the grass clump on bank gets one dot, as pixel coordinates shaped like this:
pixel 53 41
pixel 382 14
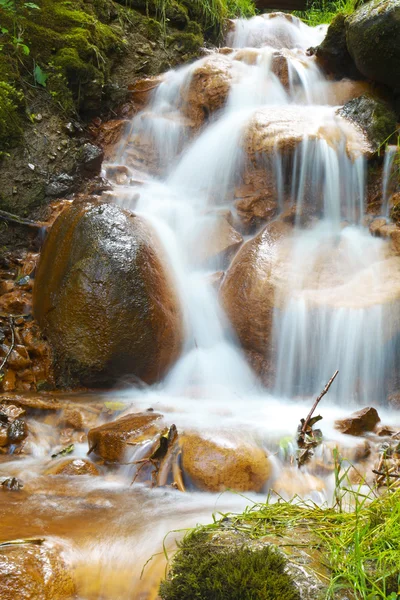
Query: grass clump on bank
pixel 360 547
pixel 323 12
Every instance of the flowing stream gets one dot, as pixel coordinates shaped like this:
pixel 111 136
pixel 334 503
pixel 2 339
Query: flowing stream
pixel 335 303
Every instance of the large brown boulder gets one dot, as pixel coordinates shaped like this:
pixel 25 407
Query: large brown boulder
pixel 111 439
pixel 34 571
pixel 373 40
pixel 104 298
pixel 223 464
pixel 248 290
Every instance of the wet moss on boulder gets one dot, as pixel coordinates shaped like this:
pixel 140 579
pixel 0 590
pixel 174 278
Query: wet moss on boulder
pixel 373 115
pixel 373 41
pixel 332 54
pixel 211 566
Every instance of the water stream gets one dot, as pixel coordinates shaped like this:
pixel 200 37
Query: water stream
pixel 335 305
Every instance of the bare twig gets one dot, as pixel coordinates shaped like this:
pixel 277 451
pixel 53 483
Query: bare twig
pixel 11 348
pixel 322 394
pixel 383 474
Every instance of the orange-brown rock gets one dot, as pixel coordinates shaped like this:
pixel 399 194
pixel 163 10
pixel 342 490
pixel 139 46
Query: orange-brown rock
pixel 224 464
pixel 110 134
pixel 291 482
pixel 30 571
pixel 208 88
pixel 73 466
pixel 359 422
pixel 110 440
pixel 216 242
pixel 254 209
pixel 143 89
pixel 30 401
pixel 105 299
pixel 248 290
pixel 71 417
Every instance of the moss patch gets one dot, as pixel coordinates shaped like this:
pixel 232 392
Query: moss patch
pixel 207 569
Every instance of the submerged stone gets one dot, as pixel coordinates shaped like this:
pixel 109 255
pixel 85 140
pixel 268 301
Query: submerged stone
pixel 33 571
pixel 110 441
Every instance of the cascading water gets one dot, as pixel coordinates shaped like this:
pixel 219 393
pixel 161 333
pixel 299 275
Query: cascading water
pixel 271 122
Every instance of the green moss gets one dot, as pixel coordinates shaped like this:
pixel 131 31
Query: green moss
pixel 11 123
pixel 205 569
pixel 186 43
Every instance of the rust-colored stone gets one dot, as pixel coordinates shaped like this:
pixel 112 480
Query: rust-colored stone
pixel 359 422
pixel 34 571
pixel 110 440
pixel 215 466
pixel 73 466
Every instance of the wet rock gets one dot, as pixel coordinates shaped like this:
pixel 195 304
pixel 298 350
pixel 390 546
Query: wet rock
pixel 208 88
pixel 17 431
pixel 221 464
pixel 254 209
pixel 74 466
pixel 217 242
pixel 248 290
pixel 359 422
pixel 143 89
pixel 291 482
pixel 90 159
pixel 110 134
pixel 110 440
pixel 30 571
pixel 71 417
pixel 215 280
pixel 12 484
pixel 31 401
pixel 60 185
pixel 373 40
pixel 11 412
pixel 107 303
pixel 3 435
pixel 394 400
pixel 374 116
pixel 332 54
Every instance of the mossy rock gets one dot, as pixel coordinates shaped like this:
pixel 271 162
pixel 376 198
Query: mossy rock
pixel 374 116
pixel 373 40
pixel 333 54
pixel 211 566
pixel 11 116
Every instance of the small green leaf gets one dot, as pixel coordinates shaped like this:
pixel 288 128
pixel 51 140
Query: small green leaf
pixel 31 5
pixel 115 406
pixel 40 76
pixel 25 49
pixel 4 30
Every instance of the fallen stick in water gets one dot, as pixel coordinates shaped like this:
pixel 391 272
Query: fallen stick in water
pixel 307 437
pixel 322 394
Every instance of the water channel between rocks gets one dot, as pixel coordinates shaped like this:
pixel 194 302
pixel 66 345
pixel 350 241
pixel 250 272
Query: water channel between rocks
pixel 193 164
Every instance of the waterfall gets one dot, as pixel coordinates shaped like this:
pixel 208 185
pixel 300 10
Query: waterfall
pixel 191 159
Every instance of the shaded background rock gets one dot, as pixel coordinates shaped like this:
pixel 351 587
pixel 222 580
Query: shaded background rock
pixel 103 297
pixel 373 41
